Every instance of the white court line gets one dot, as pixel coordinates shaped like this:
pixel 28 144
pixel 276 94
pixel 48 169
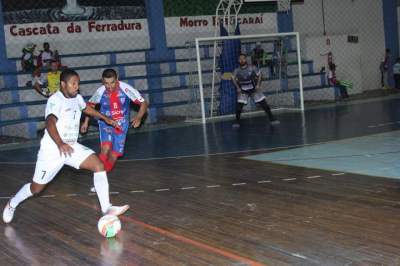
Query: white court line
pixel 187 188
pixel 48 196
pixel 114 193
pixel 299 256
pixel 264 181
pixel 162 189
pixel 5 197
pixel 239 184
pixel 339 174
pixel 72 195
pixel 289 179
pixel 312 177
pixel 213 186
pixel 91 194
pixel 136 191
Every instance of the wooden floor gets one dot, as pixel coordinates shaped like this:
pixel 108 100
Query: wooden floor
pixel 217 210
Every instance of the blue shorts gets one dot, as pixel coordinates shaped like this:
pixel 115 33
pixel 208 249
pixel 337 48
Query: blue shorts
pixel 109 136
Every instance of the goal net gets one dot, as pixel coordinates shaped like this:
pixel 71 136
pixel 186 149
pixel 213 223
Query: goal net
pixel 277 56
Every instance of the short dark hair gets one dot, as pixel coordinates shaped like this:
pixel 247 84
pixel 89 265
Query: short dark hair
pixel 109 73
pixel 242 54
pixel 66 74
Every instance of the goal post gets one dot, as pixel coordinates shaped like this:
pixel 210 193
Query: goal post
pixel 279 62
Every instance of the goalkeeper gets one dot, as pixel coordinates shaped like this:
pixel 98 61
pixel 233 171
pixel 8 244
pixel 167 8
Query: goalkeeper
pixel 247 80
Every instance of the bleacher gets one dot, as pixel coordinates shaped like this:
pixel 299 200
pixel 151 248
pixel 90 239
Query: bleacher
pixel 22 108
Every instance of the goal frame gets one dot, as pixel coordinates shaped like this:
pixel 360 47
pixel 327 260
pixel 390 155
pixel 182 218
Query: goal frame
pixel 251 36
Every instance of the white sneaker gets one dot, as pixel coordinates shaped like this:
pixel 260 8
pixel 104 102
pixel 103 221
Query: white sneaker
pixel 117 210
pixel 8 213
pixel 93 189
pixel 275 122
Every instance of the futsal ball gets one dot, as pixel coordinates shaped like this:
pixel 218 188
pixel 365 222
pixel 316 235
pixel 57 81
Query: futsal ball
pixel 109 225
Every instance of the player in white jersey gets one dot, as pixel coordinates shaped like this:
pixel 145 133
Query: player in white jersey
pixel 59 146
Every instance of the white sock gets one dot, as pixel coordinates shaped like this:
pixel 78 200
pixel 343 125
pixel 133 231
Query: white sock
pixel 101 185
pixel 22 194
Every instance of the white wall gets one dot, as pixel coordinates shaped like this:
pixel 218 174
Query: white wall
pixel 342 17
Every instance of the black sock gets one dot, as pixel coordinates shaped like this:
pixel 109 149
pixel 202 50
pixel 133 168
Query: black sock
pixel 267 110
pixel 239 108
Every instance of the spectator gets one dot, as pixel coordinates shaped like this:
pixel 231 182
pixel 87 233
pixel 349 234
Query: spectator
pixel 396 73
pixel 257 55
pixel 28 57
pixel 332 81
pixel 47 84
pixel 279 59
pixel 46 56
pixel 384 66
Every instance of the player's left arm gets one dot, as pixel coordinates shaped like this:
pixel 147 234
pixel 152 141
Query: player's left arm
pixel 258 77
pixel 137 119
pixel 90 111
pixel 136 98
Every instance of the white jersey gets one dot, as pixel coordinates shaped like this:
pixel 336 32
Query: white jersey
pixel 68 112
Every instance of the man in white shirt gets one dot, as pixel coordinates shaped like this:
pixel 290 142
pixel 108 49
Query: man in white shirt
pixel 59 146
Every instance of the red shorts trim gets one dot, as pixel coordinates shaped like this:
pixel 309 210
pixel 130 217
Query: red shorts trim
pixel 106 143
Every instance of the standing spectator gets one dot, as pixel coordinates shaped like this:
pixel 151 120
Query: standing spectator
pixel 396 73
pixel 257 55
pixel 326 51
pixel 384 67
pixel 279 59
pixel 47 84
pixel 28 58
pixel 46 56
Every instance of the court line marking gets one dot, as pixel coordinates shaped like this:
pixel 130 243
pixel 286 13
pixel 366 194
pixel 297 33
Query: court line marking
pixel 239 184
pixel 187 188
pixel 48 196
pixel 213 186
pixel 183 239
pixel 195 243
pixel 162 189
pixel 289 179
pixel 299 256
pixel 217 153
pixel 136 191
pixel 181 188
pixel 313 176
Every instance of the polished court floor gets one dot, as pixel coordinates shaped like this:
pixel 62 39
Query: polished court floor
pixel 320 189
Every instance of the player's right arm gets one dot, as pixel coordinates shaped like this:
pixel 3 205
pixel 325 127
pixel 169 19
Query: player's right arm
pixel 235 81
pixel 258 77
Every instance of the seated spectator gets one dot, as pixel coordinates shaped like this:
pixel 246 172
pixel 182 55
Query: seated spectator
pixel 396 73
pixel 47 84
pixel 46 56
pixel 28 57
pixel 332 81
